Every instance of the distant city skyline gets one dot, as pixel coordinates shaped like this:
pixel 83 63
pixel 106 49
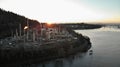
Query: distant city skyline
pixel 104 11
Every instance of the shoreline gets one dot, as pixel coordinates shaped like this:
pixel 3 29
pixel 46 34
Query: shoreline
pixel 47 51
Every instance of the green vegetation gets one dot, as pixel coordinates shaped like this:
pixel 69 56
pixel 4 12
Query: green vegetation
pixel 9 22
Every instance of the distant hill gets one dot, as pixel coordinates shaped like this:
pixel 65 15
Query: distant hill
pixel 10 21
pixel 81 26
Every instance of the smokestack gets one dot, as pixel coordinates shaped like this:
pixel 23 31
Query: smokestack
pixel 27 29
pixel 20 30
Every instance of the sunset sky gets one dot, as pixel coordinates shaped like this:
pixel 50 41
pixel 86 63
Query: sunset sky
pixel 103 11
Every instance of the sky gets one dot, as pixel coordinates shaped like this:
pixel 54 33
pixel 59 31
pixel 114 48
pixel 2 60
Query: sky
pixel 103 11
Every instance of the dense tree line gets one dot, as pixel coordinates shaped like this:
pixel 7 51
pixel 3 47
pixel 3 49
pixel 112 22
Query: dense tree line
pixel 10 21
pixel 82 26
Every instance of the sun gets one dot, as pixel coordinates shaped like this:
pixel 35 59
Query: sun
pixel 49 23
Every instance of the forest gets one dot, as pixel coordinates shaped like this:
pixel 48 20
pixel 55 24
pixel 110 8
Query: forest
pixel 10 21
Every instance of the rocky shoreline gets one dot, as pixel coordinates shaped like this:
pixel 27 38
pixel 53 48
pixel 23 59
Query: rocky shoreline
pixel 46 51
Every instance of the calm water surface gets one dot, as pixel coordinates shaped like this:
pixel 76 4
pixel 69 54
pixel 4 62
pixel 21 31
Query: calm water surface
pixel 106 51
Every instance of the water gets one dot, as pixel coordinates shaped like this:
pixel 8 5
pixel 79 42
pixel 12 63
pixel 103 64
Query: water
pixel 105 46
